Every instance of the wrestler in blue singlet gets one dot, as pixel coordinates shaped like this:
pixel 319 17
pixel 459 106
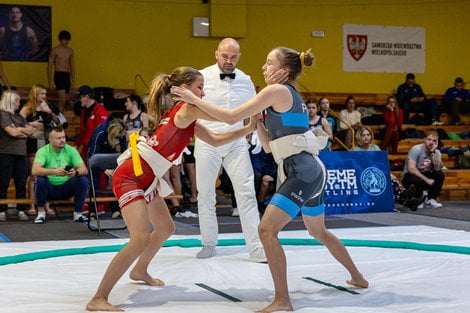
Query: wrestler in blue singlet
pixel 306 174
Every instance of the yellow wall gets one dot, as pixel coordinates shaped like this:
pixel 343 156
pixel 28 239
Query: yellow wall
pixel 116 39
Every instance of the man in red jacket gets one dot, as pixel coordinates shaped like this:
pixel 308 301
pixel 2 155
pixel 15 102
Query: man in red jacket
pixel 92 115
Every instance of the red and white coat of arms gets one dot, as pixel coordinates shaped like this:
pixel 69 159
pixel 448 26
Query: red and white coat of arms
pixel 357 46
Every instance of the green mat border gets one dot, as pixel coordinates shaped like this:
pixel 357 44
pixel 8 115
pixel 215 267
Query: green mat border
pixel 190 243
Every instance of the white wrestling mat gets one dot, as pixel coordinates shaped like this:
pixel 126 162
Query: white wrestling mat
pixel 401 280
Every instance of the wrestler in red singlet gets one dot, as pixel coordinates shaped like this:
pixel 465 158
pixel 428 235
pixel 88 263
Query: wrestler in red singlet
pixel 169 141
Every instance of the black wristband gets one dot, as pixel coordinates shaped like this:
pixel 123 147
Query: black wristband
pixel 76 173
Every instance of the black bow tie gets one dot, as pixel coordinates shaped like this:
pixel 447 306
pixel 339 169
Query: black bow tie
pixel 231 75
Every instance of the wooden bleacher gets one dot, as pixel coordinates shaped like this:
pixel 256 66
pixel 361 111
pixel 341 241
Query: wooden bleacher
pixel 337 99
pixel 457 183
pixel 72 129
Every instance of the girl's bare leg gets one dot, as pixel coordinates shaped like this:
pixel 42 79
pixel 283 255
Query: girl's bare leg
pixel 136 218
pixel 274 219
pixel 316 227
pixel 163 228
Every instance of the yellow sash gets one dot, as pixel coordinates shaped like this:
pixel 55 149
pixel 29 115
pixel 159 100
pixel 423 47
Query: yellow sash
pixel 135 154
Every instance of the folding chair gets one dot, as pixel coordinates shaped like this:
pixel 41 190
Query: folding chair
pixel 103 161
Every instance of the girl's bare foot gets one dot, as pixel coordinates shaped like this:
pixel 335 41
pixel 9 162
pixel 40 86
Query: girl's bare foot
pixel 358 282
pixel 277 306
pixel 101 304
pixel 145 277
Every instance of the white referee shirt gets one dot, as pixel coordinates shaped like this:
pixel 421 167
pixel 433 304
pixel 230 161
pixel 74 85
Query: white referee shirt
pixel 227 93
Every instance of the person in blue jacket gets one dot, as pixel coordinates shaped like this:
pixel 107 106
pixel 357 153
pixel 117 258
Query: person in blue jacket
pixel 457 100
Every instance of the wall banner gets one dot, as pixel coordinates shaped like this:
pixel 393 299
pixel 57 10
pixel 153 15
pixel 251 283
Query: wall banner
pixel 25 33
pixel 357 182
pixel 370 48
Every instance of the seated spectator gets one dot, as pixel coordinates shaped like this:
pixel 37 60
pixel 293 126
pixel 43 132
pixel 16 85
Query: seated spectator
pixel 189 166
pixel 316 120
pixel 457 100
pixel 404 196
pixel 173 178
pixel 137 120
pixel 325 113
pixel 264 169
pixel 61 174
pixel 348 117
pixel 364 139
pixel 103 145
pixel 224 184
pixel 44 116
pixel 411 98
pixel 423 169
pixel 393 117
pixel 13 159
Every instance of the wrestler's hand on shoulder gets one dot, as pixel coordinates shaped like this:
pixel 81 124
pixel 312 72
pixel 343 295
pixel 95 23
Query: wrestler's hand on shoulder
pixel 278 77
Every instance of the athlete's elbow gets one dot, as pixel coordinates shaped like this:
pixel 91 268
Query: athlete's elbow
pixel 231 120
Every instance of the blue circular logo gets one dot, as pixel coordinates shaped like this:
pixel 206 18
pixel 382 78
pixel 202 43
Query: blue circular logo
pixel 373 181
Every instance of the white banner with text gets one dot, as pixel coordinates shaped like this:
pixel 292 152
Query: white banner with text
pixel 371 48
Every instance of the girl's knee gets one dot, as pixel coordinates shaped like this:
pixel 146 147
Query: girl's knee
pixel 264 231
pixel 168 230
pixel 140 241
pixel 319 234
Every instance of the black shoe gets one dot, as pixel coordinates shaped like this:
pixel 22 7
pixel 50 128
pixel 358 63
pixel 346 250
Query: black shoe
pixel 411 203
pixel 175 209
pixel 409 192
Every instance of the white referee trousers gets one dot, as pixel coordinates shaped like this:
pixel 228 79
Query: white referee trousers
pixel 236 161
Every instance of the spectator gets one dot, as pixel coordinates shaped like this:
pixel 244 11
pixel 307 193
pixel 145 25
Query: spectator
pixel 349 117
pixel 13 159
pixel 316 120
pixel 107 137
pixel 411 98
pixel 137 120
pixel 265 170
pixel 37 109
pixel 91 115
pixel 173 178
pixel 189 166
pixel 61 174
pixel 404 196
pixel 364 140
pixel 43 116
pixel 103 145
pixel 18 41
pixel 423 168
pixel 228 87
pixel 457 100
pixel 325 113
pixel 393 117
pixel 62 59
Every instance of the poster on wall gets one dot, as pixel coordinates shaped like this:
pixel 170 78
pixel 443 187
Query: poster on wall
pixel 371 48
pixel 25 33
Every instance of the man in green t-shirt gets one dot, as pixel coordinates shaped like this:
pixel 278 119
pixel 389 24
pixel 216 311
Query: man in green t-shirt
pixel 61 174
